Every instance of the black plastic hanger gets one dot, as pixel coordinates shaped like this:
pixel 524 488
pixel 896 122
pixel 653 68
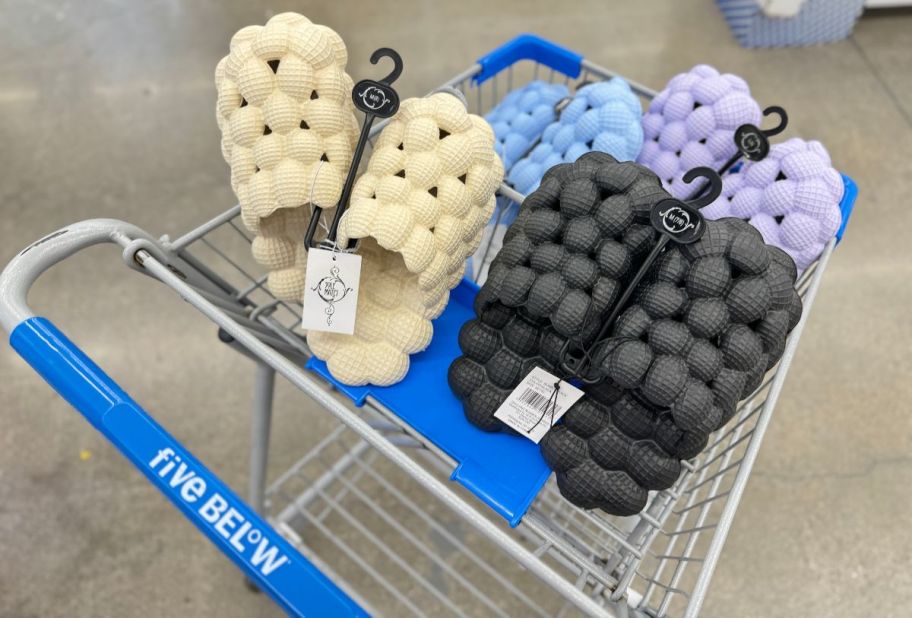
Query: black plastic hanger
pixel 376 99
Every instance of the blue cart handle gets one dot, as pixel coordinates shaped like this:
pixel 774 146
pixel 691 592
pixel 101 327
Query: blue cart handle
pixel 242 535
pixel 529 47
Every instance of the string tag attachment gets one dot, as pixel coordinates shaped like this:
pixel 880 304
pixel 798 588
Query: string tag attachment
pixel 331 284
pixel 537 403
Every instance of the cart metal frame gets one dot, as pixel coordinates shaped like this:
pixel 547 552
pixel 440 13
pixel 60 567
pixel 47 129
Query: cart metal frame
pixel 369 506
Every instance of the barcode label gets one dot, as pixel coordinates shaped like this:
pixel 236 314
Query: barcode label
pixel 537 403
pixel 537 400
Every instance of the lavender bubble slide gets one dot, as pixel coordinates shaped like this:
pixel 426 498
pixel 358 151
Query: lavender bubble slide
pixel 792 197
pixel 692 122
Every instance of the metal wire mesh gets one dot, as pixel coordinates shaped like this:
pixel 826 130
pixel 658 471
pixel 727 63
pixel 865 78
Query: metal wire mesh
pixel 358 518
pixel 343 501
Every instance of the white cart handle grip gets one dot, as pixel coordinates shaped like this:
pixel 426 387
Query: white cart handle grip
pixel 242 535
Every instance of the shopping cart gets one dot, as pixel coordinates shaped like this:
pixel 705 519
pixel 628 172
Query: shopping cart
pixel 400 509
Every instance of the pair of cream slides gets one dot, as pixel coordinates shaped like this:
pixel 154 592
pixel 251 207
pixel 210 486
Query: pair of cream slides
pixel 289 132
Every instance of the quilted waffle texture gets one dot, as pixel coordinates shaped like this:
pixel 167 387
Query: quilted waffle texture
pixel 419 210
pixel 604 117
pixel 692 122
pixel 288 132
pixel 729 292
pixel 279 246
pixel 699 337
pixel 792 197
pixel 500 347
pixel 518 122
pixel 564 262
pixel 522 116
pixel 606 455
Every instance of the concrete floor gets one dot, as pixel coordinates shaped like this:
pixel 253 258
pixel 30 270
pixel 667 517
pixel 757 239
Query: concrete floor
pixel 108 110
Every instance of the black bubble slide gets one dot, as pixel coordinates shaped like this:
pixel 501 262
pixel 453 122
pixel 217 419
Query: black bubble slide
pixel 564 262
pixel 697 335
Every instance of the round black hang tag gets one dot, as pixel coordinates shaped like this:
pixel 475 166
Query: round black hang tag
pixel 677 220
pixel 375 98
pixel 752 142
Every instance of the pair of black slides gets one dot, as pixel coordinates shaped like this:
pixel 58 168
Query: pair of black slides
pixel 689 340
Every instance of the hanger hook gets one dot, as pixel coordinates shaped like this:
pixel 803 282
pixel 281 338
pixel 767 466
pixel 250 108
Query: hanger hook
pixel 714 186
pixel 783 120
pixel 392 54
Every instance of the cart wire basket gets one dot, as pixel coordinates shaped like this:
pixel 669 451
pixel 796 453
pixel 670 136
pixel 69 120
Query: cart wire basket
pixel 383 515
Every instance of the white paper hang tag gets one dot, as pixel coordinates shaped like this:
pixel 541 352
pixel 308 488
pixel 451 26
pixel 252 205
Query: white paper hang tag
pixel 539 401
pixel 331 291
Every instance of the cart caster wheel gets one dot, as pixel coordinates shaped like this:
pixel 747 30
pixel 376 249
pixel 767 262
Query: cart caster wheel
pixel 252 587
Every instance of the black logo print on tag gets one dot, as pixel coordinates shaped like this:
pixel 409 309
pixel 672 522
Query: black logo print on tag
pixel 331 289
pixel 752 142
pixel 679 220
pixel 375 98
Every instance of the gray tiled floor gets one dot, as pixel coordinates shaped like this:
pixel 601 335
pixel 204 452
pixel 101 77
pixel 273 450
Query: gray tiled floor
pixel 107 110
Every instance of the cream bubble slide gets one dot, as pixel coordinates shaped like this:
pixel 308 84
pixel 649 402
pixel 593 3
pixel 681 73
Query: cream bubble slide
pixel 289 132
pixel 418 213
